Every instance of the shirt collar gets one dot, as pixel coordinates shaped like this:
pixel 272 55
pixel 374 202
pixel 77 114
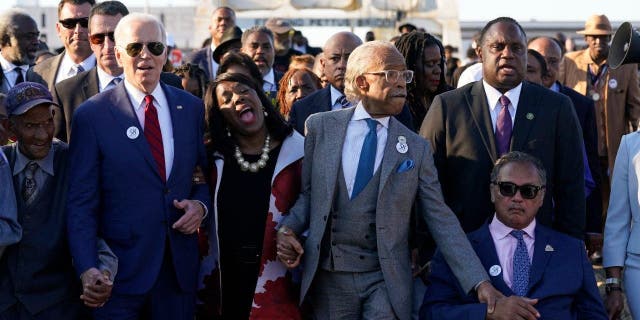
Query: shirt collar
pixel 138 96
pixel 555 87
pixel 335 94
pixel 8 66
pixel 493 95
pixel 270 77
pixel 46 163
pixel 66 64
pixel 104 78
pixel 361 114
pixel 501 230
pixel 212 46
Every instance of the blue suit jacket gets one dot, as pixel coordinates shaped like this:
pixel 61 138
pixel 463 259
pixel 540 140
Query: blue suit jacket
pixel 202 58
pixel 561 278
pixel 116 192
pixel 320 101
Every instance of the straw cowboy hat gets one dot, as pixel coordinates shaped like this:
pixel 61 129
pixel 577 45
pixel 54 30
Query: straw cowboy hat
pixel 597 25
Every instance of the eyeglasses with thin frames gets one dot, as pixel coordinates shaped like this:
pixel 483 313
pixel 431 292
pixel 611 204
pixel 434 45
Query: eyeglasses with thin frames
pixel 392 76
pixel 135 48
pixel 72 22
pixel 509 189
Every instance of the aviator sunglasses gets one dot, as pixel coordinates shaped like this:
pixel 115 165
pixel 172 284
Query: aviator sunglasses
pixel 133 49
pixel 509 189
pixel 72 22
pixel 98 38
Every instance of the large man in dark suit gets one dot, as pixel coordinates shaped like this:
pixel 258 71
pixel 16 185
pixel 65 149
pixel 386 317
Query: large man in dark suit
pixel 334 63
pixel 132 156
pixel 72 92
pixel 222 19
pixel 543 272
pixel 461 123
pixel 364 172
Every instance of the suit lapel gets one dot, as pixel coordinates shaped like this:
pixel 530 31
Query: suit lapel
pixel 334 131
pixel 91 87
pixel 210 63
pixel 178 130
pixel 526 116
pixel 390 156
pixel 477 103
pixel 124 113
pixel 542 252
pixel 483 245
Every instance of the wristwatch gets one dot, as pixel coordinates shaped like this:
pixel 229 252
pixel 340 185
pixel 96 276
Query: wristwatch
pixel 615 281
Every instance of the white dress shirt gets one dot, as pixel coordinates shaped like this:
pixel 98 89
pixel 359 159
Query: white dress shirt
pixel 493 100
pixel 335 95
pixel 10 74
pixel 357 130
pixel 269 84
pixel 164 118
pixel 104 80
pixel 214 64
pixel 67 66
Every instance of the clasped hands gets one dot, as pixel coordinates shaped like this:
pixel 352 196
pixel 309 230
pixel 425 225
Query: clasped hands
pixel 96 287
pixel 500 307
pixel 289 249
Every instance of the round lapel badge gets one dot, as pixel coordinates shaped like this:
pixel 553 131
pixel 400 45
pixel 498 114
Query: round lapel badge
pixel 595 96
pixel 613 83
pixel 495 270
pixel 402 146
pixel 133 132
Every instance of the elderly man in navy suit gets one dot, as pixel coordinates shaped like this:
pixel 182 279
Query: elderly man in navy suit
pixel 133 152
pixel 545 274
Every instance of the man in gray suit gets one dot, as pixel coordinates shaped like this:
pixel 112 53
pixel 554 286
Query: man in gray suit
pixel 363 172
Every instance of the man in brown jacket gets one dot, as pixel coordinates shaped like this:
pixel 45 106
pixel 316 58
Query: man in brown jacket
pixel 616 93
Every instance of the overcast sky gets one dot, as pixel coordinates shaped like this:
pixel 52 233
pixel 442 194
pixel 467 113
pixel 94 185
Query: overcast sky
pixel 477 10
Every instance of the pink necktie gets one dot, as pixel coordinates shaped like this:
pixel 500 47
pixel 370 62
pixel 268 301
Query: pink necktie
pixel 503 127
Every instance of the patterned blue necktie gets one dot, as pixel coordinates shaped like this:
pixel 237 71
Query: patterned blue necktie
pixel 521 265
pixel 367 158
pixel 344 102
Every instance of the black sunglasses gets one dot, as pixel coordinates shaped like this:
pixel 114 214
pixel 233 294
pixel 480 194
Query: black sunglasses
pixel 98 38
pixel 133 49
pixel 509 189
pixel 72 22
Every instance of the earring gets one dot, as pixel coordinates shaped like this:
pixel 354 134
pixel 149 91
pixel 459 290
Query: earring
pixel 228 132
pixel 264 111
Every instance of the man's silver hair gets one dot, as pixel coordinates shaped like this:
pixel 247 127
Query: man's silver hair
pixel 124 23
pixel 364 58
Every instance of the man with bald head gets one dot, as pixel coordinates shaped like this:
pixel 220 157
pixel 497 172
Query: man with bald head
pixel 133 151
pixel 550 49
pixel 336 51
pixel 222 19
pixel 364 172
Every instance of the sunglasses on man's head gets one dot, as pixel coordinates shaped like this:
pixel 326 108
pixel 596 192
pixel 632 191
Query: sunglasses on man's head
pixel 133 49
pixel 509 189
pixel 72 22
pixel 98 38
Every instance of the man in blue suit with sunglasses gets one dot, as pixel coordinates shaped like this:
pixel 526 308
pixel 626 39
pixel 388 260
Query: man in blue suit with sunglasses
pixel 543 273
pixel 133 152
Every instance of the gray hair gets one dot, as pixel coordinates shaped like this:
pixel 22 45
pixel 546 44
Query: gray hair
pixel 8 21
pixel 360 61
pixel 522 158
pixel 124 23
pixel 256 29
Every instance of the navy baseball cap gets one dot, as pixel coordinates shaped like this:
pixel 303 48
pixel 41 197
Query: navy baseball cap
pixel 26 95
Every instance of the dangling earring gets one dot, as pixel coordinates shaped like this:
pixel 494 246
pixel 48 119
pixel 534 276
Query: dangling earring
pixel 264 111
pixel 228 132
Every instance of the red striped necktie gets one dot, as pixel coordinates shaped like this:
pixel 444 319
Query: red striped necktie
pixel 153 135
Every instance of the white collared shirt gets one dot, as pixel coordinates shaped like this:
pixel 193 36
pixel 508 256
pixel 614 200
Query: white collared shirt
pixel 104 80
pixel 10 74
pixel 269 84
pixel 493 100
pixel 164 118
pixel 67 66
pixel 214 64
pixel 357 130
pixel 335 95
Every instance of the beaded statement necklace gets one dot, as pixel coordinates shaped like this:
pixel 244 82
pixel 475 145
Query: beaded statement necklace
pixel 255 166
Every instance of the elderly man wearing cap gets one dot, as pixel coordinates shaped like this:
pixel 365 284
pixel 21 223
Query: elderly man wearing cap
pixel 615 92
pixel 282 42
pixel 222 20
pixel 37 279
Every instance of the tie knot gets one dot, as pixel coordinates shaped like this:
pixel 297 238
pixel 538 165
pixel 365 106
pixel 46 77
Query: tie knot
pixel 373 124
pixel 116 80
pixel 148 99
pixel 504 101
pixel 32 167
pixel 518 234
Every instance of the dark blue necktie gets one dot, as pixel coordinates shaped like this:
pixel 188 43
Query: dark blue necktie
pixel 367 158
pixel 344 102
pixel 503 127
pixel 521 265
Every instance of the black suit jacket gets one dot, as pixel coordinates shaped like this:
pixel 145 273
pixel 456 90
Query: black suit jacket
pixel 460 130
pixel 320 101
pixel 585 110
pixel 30 77
pixel 72 92
pixel 203 58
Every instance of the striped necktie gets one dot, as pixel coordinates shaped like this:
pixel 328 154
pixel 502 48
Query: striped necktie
pixel 153 135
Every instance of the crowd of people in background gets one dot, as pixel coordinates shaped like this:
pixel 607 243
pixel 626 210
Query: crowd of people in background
pixel 259 177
